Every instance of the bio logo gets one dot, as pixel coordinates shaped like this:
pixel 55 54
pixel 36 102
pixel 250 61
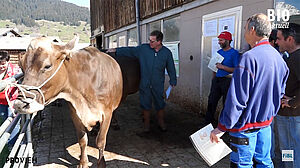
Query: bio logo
pixel 279 18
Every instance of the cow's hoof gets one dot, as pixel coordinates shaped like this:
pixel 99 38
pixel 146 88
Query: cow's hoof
pixel 102 163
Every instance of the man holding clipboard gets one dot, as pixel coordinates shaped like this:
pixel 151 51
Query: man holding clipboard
pixel 222 77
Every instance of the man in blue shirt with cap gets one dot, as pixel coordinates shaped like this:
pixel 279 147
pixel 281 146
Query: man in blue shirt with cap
pixel 221 79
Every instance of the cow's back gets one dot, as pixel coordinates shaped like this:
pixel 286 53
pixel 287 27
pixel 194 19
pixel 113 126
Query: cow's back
pixel 100 72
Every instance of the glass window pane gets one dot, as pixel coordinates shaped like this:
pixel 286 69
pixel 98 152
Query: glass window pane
pixel 292 5
pixel 132 37
pixel 153 26
pixel 171 29
pixel 113 41
pixel 122 41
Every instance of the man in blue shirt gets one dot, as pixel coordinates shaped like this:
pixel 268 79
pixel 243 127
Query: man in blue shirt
pixel 253 99
pixel 154 58
pixel 221 79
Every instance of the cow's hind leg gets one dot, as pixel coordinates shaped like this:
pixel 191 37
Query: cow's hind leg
pixel 101 138
pixel 114 122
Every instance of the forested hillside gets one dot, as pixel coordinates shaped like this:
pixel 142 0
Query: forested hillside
pixel 27 11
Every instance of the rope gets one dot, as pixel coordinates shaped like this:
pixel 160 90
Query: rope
pixel 26 89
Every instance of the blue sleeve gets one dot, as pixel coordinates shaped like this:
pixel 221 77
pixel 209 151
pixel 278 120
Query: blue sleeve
pixel 237 96
pixel 171 70
pixel 127 51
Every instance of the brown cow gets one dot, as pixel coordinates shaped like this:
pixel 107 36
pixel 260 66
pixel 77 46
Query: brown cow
pixel 130 68
pixel 91 82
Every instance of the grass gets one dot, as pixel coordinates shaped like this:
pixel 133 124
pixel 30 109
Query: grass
pixel 49 28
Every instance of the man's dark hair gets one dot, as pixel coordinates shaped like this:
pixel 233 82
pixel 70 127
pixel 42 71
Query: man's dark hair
pixel 273 35
pixel 158 34
pixel 260 24
pixel 293 30
pixel 4 55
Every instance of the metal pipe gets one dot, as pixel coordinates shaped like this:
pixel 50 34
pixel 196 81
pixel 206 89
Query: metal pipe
pixel 20 154
pixel 29 148
pixel 8 131
pixel 137 16
pixel 17 143
pixel 5 125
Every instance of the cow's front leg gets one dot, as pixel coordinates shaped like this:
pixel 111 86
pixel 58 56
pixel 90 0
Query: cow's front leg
pixel 83 141
pixel 82 138
pixel 101 138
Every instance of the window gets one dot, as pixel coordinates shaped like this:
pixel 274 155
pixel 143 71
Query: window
pixel 122 41
pixel 171 29
pixel 292 5
pixel 132 37
pixel 169 26
pixel 153 26
pixel 112 41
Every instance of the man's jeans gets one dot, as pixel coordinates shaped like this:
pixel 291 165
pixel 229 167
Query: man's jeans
pixel 4 113
pixel 257 149
pixel 289 137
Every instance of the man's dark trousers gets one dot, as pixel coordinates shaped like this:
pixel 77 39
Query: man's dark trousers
pixel 219 88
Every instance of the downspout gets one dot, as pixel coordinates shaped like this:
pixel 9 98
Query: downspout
pixel 137 16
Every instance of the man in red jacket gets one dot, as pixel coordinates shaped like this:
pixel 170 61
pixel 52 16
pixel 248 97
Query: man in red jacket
pixel 8 70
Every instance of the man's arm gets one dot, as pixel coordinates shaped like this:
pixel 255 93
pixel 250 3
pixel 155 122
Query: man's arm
pixel 125 51
pixel 237 96
pixel 224 67
pixel 171 70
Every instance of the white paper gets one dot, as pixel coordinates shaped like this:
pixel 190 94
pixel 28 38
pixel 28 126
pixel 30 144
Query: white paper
pixel 210 28
pixel 216 58
pixel 168 91
pixel 210 152
pixel 227 24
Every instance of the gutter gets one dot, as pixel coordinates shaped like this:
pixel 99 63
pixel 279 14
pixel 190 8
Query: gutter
pixel 137 17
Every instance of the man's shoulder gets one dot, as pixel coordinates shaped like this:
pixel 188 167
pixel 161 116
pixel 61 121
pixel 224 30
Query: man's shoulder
pixel 166 49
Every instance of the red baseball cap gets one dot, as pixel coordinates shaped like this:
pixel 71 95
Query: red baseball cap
pixel 225 35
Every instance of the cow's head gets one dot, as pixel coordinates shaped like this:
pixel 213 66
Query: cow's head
pixel 39 63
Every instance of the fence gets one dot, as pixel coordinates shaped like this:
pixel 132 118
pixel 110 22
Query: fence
pixel 21 154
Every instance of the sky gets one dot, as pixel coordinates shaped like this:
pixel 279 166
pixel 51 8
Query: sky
pixel 85 3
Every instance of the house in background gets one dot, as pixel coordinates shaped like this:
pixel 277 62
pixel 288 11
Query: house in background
pixel 12 42
pixel 9 32
pixel 190 30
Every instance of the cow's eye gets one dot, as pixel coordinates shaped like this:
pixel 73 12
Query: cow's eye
pixel 47 67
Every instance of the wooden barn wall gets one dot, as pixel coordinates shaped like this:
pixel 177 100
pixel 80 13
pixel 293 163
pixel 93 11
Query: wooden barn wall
pixel 149 8
pixel 114 14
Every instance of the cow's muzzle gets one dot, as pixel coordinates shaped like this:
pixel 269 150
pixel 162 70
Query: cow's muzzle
pixel 27 106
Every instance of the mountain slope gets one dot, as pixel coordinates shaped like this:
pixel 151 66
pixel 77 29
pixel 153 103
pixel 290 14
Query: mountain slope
pixel 26 11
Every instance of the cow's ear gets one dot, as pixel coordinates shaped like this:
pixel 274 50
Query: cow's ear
pixel 71 44
pixel 21 58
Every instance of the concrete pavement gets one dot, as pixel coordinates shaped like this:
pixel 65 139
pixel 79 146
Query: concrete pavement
pixel 55 142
